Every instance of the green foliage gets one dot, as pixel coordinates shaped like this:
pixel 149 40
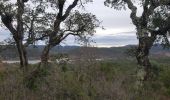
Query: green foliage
pixel 116 4
pixel 2 76
pixel 108 69
pixel 155 70
pixel 132 51
pixel 72 87
pixel 165 78
pixel 36 77
pixel 104 80
pixel 58 56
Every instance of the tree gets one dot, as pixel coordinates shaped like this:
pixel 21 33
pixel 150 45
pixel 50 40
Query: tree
pixel 53 21
pixel 9 13
pixel 65 23
pixel 147 30
pixel 21 20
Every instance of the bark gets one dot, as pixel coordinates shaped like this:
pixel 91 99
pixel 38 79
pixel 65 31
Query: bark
pixel 22 55
pixel 133 9
pixel 142 56
pixel 20 35
pixel 46 51
pixel 45 54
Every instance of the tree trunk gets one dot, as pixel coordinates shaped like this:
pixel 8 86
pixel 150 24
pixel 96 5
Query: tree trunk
pixel 22 55
pixel 145 44
pixel 45 55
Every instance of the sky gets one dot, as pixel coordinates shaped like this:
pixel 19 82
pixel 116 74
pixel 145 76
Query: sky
pixel 118 28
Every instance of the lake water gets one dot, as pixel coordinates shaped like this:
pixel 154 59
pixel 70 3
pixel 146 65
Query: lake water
pixel 35 61
pixel 17 61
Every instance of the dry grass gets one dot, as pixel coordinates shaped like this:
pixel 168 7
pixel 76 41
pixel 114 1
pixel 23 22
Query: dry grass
pixel 84 80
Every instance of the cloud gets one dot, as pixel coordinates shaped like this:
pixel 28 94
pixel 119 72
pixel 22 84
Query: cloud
pixel 116 40
pixel 111 18
pixel 106 38
pixel 111 40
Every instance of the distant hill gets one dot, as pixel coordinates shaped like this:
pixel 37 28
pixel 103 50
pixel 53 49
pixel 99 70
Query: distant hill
pixel 34 52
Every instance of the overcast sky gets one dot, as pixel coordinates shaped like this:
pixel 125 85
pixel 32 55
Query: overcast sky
pixel 119 30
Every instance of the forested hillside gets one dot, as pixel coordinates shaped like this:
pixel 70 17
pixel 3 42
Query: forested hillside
pixel 34 52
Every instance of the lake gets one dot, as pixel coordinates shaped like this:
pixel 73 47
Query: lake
pixel 17 61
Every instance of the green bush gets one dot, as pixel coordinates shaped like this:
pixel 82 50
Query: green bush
pixel 104 80
pixel 108 69
pixel 36 77
pixel 165 78
pixel 2 76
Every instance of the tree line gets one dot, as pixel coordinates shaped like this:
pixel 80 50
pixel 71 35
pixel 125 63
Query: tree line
pixel 53 21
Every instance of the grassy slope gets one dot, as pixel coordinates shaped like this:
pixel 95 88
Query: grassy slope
pixel 86 80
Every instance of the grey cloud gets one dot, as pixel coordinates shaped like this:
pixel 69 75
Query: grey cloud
pixel 116 40
pixel 111 18
pixel 108 40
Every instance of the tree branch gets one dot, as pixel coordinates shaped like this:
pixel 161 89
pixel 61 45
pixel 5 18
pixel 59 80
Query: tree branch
pixel 60 17
pixel 7 21
pixel 35 39
pixel 20 12
pixel 133 9
pixel 68 10
pixel 74 34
